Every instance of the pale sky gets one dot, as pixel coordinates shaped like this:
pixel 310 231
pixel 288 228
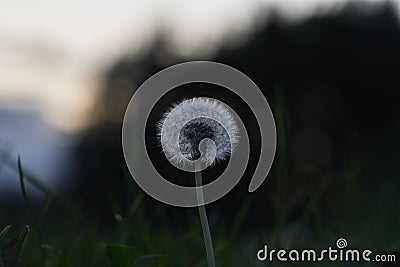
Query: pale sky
pixel 52 53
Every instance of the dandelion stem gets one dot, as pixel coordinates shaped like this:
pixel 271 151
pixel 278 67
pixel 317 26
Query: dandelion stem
pixel 203 219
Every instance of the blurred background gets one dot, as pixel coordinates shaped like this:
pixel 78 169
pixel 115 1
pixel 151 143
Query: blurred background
pixel 328 68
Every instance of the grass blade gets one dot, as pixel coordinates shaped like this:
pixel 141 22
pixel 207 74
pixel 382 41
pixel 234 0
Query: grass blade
pixel 11 253
pixel 3 235
pixel 28 205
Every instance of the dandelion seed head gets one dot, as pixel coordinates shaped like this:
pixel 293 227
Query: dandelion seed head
pixel 187 123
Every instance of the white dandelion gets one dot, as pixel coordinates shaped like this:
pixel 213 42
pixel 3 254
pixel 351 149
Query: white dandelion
pixel 182 128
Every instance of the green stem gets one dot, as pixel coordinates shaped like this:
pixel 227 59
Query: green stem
pixel 203 219
pixel 282 162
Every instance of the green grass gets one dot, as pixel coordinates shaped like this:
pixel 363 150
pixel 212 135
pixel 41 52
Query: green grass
pixel 134 241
